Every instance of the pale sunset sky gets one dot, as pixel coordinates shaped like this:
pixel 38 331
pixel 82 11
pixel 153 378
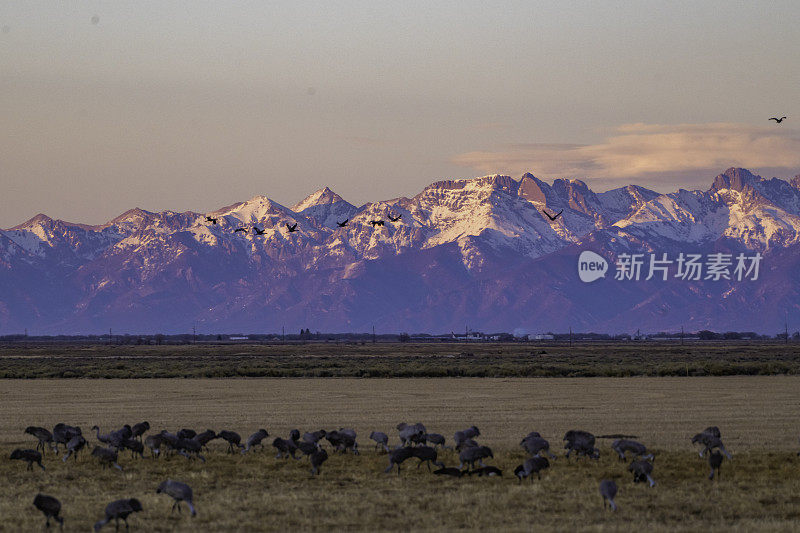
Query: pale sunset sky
pixel 195 105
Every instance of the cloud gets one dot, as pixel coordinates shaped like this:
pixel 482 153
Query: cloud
pixel 649 152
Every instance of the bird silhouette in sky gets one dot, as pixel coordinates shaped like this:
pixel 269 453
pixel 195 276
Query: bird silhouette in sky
pixel 259 231
pixel 777 120
pixel 552 218
pixel 393 219
pixel 291 228
pixel 376 223
pixel 343 224
pixel 237 230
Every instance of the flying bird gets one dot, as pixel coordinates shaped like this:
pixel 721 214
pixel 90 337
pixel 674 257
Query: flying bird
pixel 291 228
pixel 342 224
pixel 376 223
pixel 259 231
pixel 393 219
pixel 552 218
pixel 240 229
pixel 211 219
pixel 778 120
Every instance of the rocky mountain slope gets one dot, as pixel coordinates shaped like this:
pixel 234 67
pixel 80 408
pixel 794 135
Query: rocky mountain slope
pixel 477 252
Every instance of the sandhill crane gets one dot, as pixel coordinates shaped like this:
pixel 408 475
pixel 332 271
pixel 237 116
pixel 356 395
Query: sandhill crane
pixel 232 438
pixel 486 471
pixel 642 470
pixel 43 436
pixel 397 456
pixel 291 229
pixel 307 448
pixel 535 445
pixel 710 438
pixel 107 457
pixel 381 439
pixel 168 440
pixel 190 449
pixel 255 440
pixel 317 458
pixel 532 465
pixel 636 448
pixel 608 490
pixel 436 439
pixel 119 509
pixel 581 442
pixel 376 223
pixel 714 461
pixel 343 440
pixel 315 436
pixel 259 231
pixel 205 437
pixel 50 507
pixel 154 443
pixel 180 492
pixel 471 455
pixel 105 439
pixel 136 447
pixel 395 219
pixel 343 224
pixel 118 437
pixel 460 437
pixel 139 429
pixel 287 448
pixel 62 433
pixel 186 433
pixel 449 471
pixel 777 120
pixel 75 444
pixel 211 219
pixel 553 217
pixel 29 456
pixel 411 433
pixel 426 455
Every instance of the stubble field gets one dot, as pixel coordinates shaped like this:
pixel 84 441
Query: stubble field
pixel 758 415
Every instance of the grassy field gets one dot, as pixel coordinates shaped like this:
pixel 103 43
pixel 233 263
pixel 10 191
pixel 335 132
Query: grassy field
pixel 758 415
pixel 384 360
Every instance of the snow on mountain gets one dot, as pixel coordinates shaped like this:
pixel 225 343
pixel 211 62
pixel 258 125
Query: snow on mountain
pixel 326 207
pixel 478 250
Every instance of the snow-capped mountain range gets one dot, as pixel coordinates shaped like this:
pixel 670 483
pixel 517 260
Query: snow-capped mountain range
pixel 476 252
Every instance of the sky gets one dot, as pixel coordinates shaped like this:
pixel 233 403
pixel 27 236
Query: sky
pixel 196 105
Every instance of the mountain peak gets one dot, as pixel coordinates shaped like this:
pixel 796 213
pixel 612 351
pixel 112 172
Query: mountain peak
pixel 324 196
pixel 735 178
pixel 795 182
pixel 40 218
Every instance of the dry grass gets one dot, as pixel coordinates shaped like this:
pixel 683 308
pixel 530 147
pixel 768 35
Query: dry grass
pixel 759 489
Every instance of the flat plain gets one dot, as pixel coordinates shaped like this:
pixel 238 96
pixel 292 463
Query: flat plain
pixel 401 360
pixel 758 415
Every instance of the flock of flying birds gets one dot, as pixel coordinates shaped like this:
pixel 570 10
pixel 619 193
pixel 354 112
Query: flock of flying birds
pixel 379 222
pixel 293 227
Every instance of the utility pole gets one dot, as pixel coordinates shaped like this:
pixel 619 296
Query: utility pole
pixel 283 333
pixel 786 326
pixel 570 336
pixel 194 333
pixel 109 336
pixel 681 335
pixel 373 334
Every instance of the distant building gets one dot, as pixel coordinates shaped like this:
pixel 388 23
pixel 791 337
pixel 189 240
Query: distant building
pixel 541 337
